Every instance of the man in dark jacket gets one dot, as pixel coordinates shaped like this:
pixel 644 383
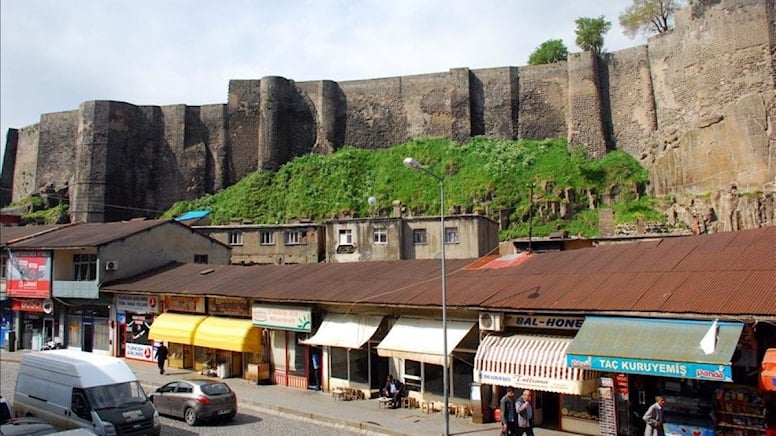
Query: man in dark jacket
pixel 508 412
pixel 161 356
pixel 393 390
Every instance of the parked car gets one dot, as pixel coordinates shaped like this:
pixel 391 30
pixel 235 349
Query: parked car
pixel 196 400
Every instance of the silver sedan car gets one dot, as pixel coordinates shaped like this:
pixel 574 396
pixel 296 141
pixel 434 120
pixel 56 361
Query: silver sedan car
pixel 196 400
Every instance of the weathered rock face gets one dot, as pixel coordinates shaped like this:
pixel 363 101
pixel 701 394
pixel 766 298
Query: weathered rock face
pixel 695 106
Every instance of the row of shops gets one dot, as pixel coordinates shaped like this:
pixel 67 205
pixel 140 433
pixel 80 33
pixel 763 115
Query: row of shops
pixel 591 374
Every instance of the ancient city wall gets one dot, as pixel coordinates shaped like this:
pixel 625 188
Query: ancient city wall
pixel 542 108
pixel 695 105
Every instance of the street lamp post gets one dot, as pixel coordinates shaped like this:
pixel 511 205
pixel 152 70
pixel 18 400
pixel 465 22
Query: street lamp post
pixel 413 164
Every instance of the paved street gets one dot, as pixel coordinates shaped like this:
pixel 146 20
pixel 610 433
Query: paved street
pixel 249 420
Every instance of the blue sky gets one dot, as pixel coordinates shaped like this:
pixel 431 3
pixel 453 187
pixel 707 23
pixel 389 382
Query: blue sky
pixel 56 54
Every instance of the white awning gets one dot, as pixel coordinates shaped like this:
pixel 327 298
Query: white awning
pixel 530 362
pixel 345 331
pixel 422 339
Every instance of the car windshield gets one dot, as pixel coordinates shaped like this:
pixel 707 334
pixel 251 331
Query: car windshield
pixel 215 389
pixel 102 397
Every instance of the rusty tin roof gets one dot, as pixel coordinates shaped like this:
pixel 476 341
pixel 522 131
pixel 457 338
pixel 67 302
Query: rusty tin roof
pixel 725 274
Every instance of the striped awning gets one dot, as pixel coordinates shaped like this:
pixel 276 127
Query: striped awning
pixel 530 362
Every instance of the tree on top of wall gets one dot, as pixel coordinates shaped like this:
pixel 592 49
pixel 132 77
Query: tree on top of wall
pixel 647 17
pixel 549 52
pixel 590 33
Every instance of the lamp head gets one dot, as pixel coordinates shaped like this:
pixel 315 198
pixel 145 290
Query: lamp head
pixel 412 163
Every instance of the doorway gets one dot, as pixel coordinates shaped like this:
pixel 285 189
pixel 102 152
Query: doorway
pixel 88 335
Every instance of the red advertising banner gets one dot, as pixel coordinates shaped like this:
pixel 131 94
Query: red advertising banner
pixel 29 274
pixel 184 304
pixel 27 305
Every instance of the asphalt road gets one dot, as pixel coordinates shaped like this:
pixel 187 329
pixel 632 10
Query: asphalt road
pixel 247 421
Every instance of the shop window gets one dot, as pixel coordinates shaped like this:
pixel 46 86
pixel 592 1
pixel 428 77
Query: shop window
pixel 3 267
pixel 84 267
pixel 380 235
pixel 462 378
pixel 101 334
pixel 432 379
pixel 339 362
pixel 420 236
pixel 235 238
pixel 74 330
pixel 352 365
pixel 267 237
pixel 451 235
pixel 413 372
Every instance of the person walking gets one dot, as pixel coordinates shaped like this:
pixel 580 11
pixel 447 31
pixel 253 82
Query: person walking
pixel 161 356
pixel 524 406
pixel 654 418
pixel 508 413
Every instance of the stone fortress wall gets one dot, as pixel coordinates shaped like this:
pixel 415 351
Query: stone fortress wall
pixel 696 106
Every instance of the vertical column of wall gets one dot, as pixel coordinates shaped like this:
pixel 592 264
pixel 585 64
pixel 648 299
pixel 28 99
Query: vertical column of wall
pixel 460 104
pixel 91 157
pixel 214 118
pixel 9 162
pixel 585 119
pixel 273 128
pixel 330 105
pixel 243 124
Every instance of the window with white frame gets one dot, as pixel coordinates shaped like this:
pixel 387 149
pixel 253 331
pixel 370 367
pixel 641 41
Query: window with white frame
pixel 267 237
pixel 346 237
pixel 293 237
pixel 235 238
pixel 419 236
pixel 428 378
pixel 451 235
pixel 84 267
pixel 380 235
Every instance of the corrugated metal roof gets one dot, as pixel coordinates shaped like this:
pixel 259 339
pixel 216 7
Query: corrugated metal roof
pixel 721 274
pixel 14 233
pixel 88 234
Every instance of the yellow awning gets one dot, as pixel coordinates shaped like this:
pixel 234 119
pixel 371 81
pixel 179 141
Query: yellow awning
pixel 228 334
pixel 175 327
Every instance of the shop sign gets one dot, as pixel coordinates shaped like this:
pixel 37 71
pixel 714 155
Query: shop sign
pixel 572 387
pixel 184 304
pixel 282 318
pixel 545 322
pixel 137 303
pixel 697 371
pixel 139 352
pixel 29 274
pixel 28 305
pixel 227 306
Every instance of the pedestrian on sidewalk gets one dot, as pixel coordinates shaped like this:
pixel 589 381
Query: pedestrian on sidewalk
pixel 524 406
pixel 508 413
pixel 161 356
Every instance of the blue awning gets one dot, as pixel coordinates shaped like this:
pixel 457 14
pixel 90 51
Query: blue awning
pixel 662 347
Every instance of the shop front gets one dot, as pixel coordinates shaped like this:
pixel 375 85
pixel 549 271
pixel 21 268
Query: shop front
pixel 415 349
pixel 87 321
pixel 224 347
pixel 350 358
pixel 178 331
pixel 132 319
pixel 284 328
pixel 538 363
pixel 687 362
pixel 28 286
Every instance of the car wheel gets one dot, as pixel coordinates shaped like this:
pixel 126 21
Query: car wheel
pixel 190 416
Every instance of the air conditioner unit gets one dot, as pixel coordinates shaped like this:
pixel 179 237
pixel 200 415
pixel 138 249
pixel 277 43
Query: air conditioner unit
pixel 492 321
pixel 111 265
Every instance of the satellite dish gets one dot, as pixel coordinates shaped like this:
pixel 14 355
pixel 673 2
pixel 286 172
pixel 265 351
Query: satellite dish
pixel 372 201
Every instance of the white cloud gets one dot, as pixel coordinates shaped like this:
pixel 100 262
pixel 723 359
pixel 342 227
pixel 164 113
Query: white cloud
pixel 54 55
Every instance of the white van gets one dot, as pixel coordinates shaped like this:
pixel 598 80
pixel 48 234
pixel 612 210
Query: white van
pixel 72 389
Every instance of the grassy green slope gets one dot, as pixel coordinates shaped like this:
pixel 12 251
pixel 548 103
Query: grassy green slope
pixel 490 176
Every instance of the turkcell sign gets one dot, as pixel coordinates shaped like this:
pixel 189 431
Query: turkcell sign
pixel 697 371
